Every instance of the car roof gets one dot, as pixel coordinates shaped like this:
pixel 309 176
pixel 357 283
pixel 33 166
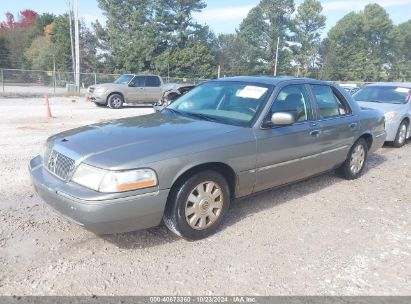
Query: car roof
pixel 390 84
pixel 272 80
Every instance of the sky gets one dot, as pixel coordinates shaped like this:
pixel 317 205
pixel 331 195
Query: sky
pixel 222 16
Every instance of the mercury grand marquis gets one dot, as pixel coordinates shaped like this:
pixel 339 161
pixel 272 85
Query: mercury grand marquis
pixel 225 139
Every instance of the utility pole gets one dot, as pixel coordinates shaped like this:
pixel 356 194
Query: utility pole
pixel 77 43
pixel 73 59
pixel 276 57
pixel 219 71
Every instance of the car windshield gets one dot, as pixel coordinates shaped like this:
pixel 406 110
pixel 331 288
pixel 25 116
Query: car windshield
pixel 124 79
pixel 228 102
pixel 383 94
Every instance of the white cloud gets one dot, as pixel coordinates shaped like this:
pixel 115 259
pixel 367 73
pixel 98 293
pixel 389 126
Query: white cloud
pixel 359 4
pixel 223 14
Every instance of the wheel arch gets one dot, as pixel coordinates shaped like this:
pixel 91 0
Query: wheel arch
pixel 406 119
pixel 225 170
pixel 368 139
pixel 116 92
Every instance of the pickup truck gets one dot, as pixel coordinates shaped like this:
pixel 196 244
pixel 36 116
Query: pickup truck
pixel 130 88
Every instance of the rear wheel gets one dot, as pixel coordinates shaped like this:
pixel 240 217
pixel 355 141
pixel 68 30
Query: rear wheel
pixel 115 101
pixel 197 206
pixel 402 134
pixel 354 165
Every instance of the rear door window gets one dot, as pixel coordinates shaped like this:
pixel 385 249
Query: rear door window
pixel 152 81
pixel 329 102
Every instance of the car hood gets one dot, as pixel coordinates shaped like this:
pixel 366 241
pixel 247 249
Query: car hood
pixel 383 107
pixel 141 139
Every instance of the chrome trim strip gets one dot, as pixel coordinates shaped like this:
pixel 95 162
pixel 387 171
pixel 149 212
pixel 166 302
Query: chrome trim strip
pixel 382 134
pixel 300 159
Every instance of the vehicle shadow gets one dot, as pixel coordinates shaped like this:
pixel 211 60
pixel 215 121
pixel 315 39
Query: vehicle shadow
pixel 240 209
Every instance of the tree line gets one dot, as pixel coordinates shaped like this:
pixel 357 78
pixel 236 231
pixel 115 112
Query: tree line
pixel 161 36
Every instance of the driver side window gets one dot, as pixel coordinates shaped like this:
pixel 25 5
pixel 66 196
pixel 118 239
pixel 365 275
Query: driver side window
pixel 138 82
pixel 295 100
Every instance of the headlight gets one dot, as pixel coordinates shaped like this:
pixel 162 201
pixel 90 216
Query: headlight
pixel 390 116
pixel 114 181
pixel 100 90
pixel 45 151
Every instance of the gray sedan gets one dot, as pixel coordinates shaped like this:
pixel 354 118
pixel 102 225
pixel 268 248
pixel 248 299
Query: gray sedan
pixel 224 140
pixel 394 100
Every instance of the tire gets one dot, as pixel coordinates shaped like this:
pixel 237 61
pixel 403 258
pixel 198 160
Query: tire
pixel 354 165
pixel 100 105
pixel 402 133
pixel 115 101
pixel 188 212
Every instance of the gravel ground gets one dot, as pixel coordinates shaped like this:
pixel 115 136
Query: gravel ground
pixel 323 236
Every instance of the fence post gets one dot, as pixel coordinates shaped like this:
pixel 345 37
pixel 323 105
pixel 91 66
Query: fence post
pixel 2 79
pixel 95 78
pixel 55 80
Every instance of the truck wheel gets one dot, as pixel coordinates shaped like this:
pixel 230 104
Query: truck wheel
pixel 115 101
pixel 354 165
pixel 197 206
pixel 401 135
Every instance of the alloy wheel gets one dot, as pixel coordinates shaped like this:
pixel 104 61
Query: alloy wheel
pixel 357 159
pixel 204 205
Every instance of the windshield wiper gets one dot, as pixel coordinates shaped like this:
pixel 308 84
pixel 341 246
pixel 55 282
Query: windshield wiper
pixel 201 116
pixel 173 111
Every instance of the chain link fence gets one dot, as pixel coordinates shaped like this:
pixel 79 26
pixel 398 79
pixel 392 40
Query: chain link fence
pixel 37 82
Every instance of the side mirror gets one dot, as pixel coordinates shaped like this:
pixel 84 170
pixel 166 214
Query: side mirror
pixel 282 119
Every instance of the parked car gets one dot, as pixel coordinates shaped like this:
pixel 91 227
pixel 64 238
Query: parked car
pixel 392 99
pixel 130 88
pixel 170 96
pixel 223 140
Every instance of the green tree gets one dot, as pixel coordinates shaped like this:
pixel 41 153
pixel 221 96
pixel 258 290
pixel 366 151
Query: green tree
pixel 174 21
pixel 4 53
pixel 147 35
pixel 194 61
pixel 378 29
pixel 61 45
pixel 266 22
pixel 401 63
pixel 232 55
pixel 129 37
pixel 358 46
pixel 39 54
pixel 309 23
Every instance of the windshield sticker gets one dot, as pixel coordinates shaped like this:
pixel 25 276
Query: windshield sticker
pixel 402 90
pixel 252 92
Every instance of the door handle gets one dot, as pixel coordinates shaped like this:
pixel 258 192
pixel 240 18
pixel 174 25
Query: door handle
pixel 315 132
pixel 353 126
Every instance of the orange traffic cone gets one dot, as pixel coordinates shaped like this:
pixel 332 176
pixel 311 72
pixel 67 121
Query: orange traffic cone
pixel 48 107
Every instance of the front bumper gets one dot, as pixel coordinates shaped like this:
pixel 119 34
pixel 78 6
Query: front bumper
pixel 108 216
pixel 392 129
pixel 97 98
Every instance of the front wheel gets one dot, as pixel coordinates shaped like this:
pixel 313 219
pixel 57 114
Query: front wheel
pixel 197 206
pixel 354 165
pixel 115 101
pixel 402 134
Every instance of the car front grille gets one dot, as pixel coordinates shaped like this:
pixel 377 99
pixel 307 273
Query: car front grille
pixel 60 165
pixel 91 89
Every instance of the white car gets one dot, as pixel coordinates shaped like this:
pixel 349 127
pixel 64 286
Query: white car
pixel 394 100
